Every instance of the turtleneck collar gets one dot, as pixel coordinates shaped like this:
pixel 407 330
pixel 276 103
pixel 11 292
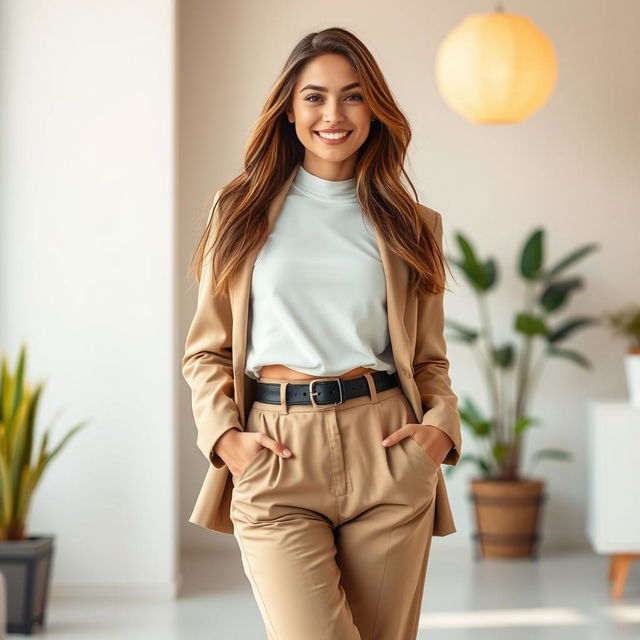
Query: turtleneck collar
pixel 322 189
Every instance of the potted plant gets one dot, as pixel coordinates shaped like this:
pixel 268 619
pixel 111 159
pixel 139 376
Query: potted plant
pixel 506 500
pixel 25 560
pixel 626 323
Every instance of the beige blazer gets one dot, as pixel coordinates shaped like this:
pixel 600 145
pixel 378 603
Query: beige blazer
pixel 221 393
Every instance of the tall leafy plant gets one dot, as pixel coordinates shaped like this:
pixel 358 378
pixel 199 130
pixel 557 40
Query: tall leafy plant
pixel 511 368
pixel 20 472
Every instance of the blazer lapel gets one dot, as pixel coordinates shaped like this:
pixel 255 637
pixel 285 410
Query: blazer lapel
pixel 396 274
pixel 396 280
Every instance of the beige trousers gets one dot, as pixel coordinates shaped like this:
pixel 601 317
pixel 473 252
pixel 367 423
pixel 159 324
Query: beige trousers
pixel 335 539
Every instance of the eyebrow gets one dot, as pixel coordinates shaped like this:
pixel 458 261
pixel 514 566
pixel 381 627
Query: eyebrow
pixel 315 87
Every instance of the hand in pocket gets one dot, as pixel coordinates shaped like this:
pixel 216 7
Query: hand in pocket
pixel 239 448
pixel 430 439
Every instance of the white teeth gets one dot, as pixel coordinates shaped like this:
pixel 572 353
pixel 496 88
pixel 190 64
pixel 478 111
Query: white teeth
pixel 333 136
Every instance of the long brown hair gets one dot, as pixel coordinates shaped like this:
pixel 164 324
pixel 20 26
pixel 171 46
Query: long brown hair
pixel 238 222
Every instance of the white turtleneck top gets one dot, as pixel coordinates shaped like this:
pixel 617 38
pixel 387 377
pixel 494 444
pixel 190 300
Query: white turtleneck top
pixel 318 298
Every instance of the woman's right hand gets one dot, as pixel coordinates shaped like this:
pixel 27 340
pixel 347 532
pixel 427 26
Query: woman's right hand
pixel 237 448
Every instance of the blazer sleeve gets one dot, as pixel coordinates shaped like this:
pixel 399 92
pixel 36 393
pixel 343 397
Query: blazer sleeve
pixel 207 365
pixel 431 366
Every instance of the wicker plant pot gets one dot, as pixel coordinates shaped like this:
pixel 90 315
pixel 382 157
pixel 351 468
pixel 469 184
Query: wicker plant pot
pixel 507 514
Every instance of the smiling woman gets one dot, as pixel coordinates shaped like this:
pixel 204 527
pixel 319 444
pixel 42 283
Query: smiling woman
pixel 317 361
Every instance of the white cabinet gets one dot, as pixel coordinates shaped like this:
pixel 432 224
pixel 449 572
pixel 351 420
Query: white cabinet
pixel 613 485
pixel 613 476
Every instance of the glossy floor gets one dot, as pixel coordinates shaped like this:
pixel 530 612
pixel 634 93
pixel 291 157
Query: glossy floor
pixel 562 596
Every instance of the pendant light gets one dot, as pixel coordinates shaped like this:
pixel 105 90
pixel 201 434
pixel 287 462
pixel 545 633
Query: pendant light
pixel 496 68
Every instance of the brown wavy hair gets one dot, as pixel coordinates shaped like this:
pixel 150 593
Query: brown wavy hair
pixel 240 221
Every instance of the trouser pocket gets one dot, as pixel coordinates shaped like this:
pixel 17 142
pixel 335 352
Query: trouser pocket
pixel 422 454
pixel 251 427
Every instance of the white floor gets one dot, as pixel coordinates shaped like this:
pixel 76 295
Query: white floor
pixel 563 595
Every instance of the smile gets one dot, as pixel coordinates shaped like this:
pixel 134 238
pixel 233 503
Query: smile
pixel 333 138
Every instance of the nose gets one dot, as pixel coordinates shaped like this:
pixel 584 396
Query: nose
pixel 332 112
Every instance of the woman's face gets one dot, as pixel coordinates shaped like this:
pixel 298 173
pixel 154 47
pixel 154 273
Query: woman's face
pixel 327 96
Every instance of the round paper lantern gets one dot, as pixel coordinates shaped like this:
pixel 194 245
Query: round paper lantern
pixel 496 68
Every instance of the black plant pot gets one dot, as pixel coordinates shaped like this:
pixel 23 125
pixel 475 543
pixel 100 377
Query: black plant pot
pixel 26 565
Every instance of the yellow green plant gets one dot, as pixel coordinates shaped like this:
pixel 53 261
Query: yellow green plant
pixel 19 472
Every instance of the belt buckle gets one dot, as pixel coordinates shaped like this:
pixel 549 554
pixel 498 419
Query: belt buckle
pixel 315 393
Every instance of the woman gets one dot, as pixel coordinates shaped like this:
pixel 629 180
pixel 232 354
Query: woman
pixel 335 479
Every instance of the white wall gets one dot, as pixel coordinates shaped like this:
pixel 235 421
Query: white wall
pixel 87 274
pixel 571 168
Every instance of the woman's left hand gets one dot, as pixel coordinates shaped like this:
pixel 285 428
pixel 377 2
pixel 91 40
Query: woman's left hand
pixel 433 440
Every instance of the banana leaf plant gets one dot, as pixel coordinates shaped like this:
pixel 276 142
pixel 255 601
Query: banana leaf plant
pixel 512 367
pixel 20 472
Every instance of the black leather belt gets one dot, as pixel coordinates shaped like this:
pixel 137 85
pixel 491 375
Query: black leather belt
pixel 323 391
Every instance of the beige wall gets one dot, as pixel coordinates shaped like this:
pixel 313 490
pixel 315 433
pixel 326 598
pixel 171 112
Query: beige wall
pixel 572 168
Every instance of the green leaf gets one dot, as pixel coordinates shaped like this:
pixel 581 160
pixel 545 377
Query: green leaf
pixel 457 337
pixel 471 411
pixel 467 418
pixel 499 451
pixel 532 255
pixel 569 354
pixel 479 427
pixel 56 450
pixel 469 255
pixel 481 276
pixel 5 479
pixel 523 422
pixel 556 294
pixel 552 454
pixel 472 278
pixel 19 379
pixel 530 324
pixel 19 444
pixel 482 428
pixel 490 274
pixel 472 408
pixel 503 356
pixel 468 458
pixel 570 259
pixel 5 389
pixel 566 329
